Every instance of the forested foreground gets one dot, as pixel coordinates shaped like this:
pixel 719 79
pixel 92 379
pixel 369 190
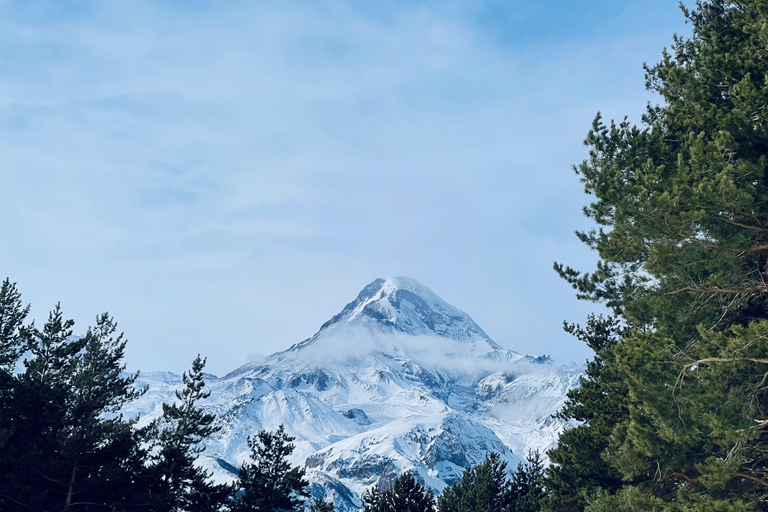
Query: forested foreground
pixel 64 446
pixel 671 412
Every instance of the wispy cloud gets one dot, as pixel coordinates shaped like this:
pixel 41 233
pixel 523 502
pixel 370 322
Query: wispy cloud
pixel 229 175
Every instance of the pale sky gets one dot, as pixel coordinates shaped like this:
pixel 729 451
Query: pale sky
pixel 223 177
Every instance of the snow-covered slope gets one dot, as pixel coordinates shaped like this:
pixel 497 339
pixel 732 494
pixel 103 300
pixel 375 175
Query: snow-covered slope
pixel 398 380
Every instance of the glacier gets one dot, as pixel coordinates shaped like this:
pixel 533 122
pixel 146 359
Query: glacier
pixel 399 380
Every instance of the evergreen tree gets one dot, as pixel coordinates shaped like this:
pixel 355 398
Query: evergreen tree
pixel 527 484
pixel 269 483
pixel 69 447
pixel 682 205
pixel 373 500
pixel 39 477
pixel 405 495
pixel 488 488
pixel 12 344
pixel 599 403
pixel 64 445
pixel 12 316
pixel 95 440
pixel 184 425
pixel 482 488
pixel 320 505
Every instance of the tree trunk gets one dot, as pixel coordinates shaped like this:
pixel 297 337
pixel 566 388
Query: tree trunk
pixel 71 489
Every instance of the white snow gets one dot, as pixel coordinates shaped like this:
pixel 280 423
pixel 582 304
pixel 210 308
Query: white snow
pixel 438 393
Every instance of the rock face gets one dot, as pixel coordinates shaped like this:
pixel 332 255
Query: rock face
pixel 398 380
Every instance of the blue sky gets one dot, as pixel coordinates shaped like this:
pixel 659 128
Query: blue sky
pixel 223 177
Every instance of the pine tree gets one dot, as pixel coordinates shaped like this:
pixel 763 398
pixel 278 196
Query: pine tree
pixel 488 488
pixel 373 500
pixel 320 505
pixel 64 445
pixel 95 437
pixel 599 403
pixel 12 316
pixel 12 344
pixel 405 495
pixel 527 484
pixel 682 208
pixel 69 447
pixel 269 483
pixel 184 425
pixel 484 487
pixel 40 475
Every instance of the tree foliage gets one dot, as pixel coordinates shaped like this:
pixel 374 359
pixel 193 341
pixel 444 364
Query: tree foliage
pixel 13 313
pixel 482 487
pixel 268 482
pixel 488 487
pixel 320 505
pixel 405 495
pixel 183 426
pixel 675 405
pixel 599 404
pixel 65 446
pixel 528 484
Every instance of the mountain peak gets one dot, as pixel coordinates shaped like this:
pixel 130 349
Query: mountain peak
pixel 398 380
pixel 405 305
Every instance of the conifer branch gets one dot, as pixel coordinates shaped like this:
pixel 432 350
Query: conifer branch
pixel 690 481
pixel 688 366
pixel 739 224
pixel 725 291
pixel 9 498
pixel 753 478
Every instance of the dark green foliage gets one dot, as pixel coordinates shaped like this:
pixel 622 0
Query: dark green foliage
pixel 269 483
pixel 482 487
pixel 487 488
pixel 68 448
pixel 184 424
pixel 528 484
pixel 319 505
pixel 12 343
pixel 685 197
pixel 64 446
pixel 12 316
pixel 599 403
pixel 676 407
pixel 405 495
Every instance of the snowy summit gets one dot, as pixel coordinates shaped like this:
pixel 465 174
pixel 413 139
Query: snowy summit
pixel 407 306
pixel 398 380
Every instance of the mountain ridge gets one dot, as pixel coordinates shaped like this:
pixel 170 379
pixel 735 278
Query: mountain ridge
pixel 398 380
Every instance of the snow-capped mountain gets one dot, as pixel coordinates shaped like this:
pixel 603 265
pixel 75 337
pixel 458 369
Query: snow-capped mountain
pixel 398 380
